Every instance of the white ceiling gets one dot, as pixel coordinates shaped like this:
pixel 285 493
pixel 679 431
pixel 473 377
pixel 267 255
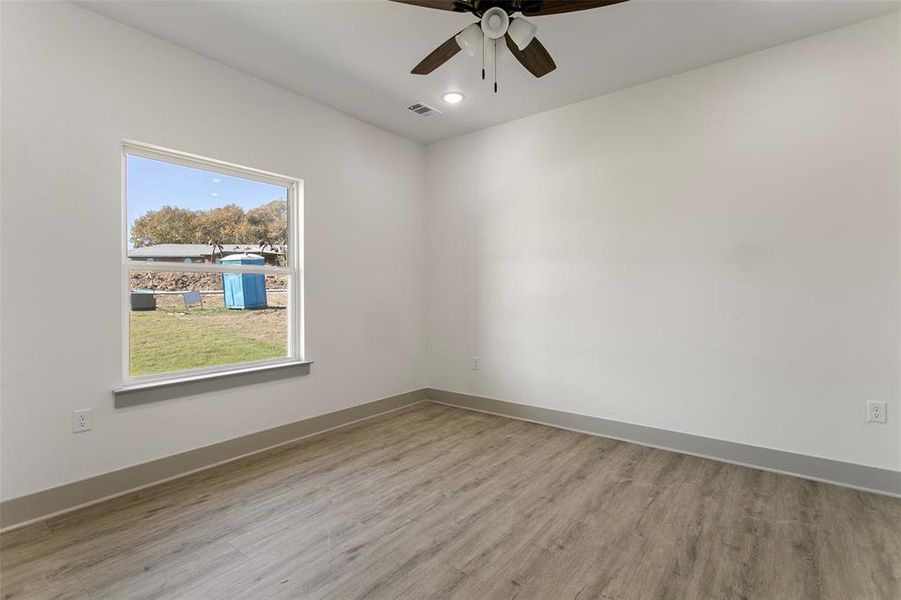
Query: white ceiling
pixel 355 55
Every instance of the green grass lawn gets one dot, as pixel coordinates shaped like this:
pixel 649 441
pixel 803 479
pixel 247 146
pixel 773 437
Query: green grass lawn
pixel 173 340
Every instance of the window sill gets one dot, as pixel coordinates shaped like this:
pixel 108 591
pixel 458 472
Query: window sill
pixel 167 389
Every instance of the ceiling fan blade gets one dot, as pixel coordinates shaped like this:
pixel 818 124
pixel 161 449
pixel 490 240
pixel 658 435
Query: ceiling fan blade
pixel 437 4
pixel 438 57
pixel 534 58
pixel 556 7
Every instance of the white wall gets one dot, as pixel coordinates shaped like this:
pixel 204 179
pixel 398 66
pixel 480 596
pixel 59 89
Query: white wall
pixel 74 85
pixel 714 253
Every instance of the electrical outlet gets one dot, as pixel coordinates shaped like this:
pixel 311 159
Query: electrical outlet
pixel 475 363
pixel 876 411
pixel 81 420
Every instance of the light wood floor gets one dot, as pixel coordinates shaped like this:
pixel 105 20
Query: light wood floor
pixel 438 502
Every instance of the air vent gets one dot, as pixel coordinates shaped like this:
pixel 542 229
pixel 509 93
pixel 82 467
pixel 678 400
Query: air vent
pixel 423 109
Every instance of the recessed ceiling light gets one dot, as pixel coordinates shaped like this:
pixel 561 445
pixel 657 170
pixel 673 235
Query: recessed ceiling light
pixel 453 97
pixel 217 180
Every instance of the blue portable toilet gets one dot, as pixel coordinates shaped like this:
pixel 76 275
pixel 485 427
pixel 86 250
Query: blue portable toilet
pixel 244 290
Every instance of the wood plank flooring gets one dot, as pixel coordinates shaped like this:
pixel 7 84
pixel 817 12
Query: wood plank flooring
pixel 439 502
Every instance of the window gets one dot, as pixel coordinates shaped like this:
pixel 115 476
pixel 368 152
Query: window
pixel 211 266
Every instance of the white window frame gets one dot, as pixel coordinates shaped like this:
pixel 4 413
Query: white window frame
pixel 294 270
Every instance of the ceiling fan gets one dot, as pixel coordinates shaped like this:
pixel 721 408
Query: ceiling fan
pixel 496 22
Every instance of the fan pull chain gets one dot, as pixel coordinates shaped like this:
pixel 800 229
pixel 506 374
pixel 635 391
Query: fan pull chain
pixel 483 59
pixel 495 66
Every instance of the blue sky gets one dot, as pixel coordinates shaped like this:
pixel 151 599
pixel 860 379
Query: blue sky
pixel 152 184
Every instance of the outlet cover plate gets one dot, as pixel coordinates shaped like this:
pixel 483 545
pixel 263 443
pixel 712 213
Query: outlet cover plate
pixel 876 411
pixel 82 420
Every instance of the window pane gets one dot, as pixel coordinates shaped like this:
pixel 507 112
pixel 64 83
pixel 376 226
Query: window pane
pixel 184 214
pixel 181 321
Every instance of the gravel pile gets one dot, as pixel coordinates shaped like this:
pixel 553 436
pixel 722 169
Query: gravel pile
pixel 185 282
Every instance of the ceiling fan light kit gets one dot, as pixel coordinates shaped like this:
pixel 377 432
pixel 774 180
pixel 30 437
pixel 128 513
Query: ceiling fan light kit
pixel 470 39
pixel 522 32
pixel 496 22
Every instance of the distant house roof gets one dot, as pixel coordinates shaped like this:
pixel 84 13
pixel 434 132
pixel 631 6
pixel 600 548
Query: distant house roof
pixel 198 250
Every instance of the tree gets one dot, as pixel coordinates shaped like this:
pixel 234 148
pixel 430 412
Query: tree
pixel 226 225
pixel 269 222
pixel 168 225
